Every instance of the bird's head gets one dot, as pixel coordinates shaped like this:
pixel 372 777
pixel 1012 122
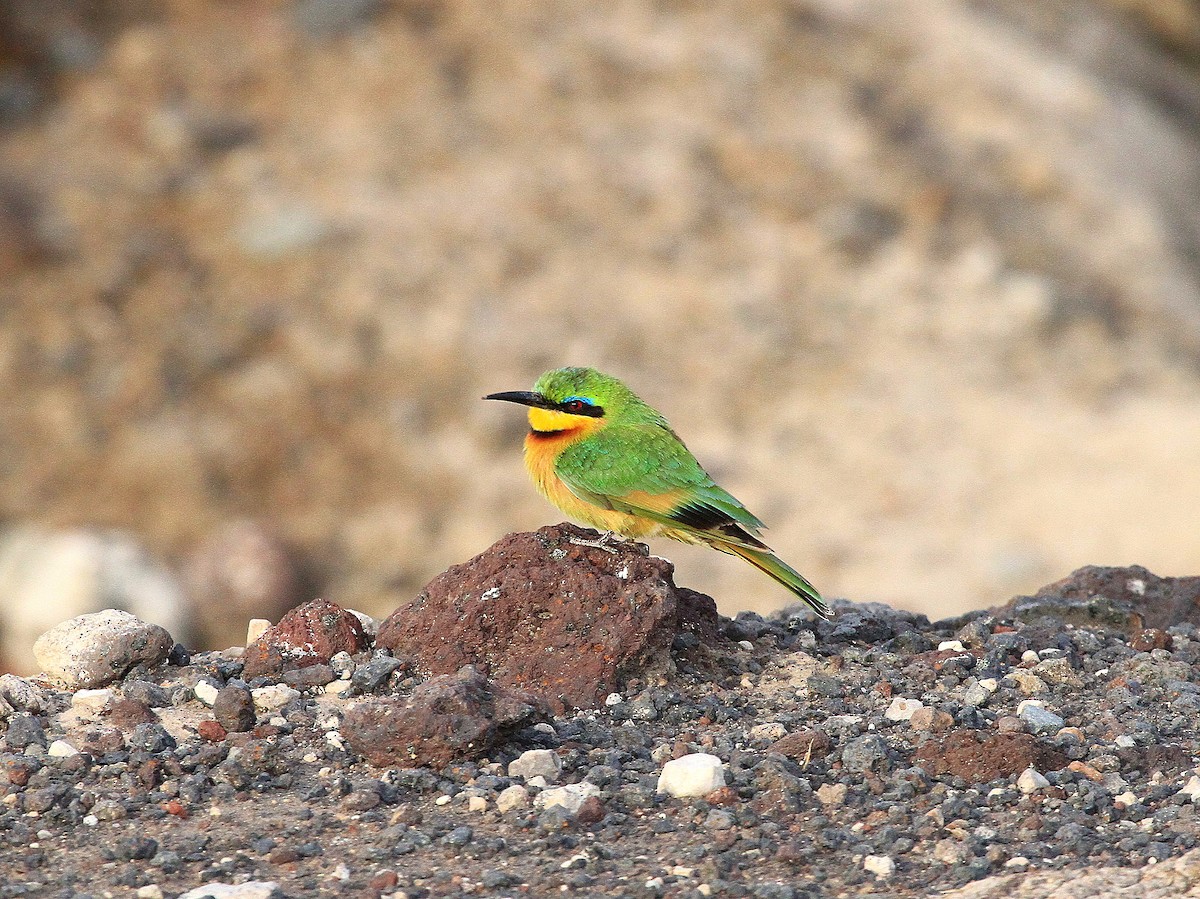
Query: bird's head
pixel 570 399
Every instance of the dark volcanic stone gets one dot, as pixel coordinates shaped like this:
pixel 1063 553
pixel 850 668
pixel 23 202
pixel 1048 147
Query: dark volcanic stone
pixel 1124 599
pixel 567 622
pixel 129 713
pixel 980 759
pixel 451 716
pixel 234 708
pixel 310 634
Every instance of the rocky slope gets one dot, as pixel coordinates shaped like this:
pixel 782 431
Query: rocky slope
pixel 916 279
pixel 1048 748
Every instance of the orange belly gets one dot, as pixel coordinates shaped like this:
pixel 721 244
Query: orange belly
pixel 541 454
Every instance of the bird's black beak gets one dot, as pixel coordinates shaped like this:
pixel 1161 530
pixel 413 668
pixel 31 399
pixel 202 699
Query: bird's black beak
pixel 524 397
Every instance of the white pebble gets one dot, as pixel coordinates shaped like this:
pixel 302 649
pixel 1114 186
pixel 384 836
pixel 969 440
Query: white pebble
pixel 902 709
pixel 880 865
pixel 273 696
pixel 693 775
pixel 1030 656
pixel 91 700
pixel 61 749
pixel 477 804
pixel 570 797
pixel 256 628
pixel 613 699
pixel 543 763
pixel 1031 781
pixel 206 692
pixel 953 646
pixel 338 687
pixel 512 797
pixel 150 891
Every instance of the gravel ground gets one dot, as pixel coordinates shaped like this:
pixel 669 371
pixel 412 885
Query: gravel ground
pixel 829 734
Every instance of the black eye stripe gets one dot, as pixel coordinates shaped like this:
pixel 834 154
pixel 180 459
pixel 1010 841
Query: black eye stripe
pixel 579 407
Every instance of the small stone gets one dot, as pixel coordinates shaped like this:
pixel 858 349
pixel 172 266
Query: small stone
pixel 866 753
pixel 150 891
pixel 251 889
pixel 273 696
pixel 832 796
pixel 1127 799
pixel 21 694
pixel 1031 781
pixel 514 797
pixel 692 775
pixel 234 708
pixel 880 865
pixel 570 797
pixel 338 687
pixel 1028 683
pixel 1191 789
pixel 96 649
pixel 206 691
pixel 1038 719
pixel 210 731
pixel 256 628
pixel 310 634
pixel 1124 741
pixel 952 645
pixel 371 676
pixel 448 717
pixel 91 701
pixel 932 720
pixel 477 804
pixel 61 749
pixel 543 763
pixel 902 709
pixel 1029 657
pixel 24 730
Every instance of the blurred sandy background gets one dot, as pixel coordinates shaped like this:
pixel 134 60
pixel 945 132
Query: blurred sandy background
pixel 915 279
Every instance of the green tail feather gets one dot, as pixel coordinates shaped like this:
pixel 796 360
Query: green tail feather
pixel 781 571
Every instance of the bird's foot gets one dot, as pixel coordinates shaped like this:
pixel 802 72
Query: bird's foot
pixel 603 543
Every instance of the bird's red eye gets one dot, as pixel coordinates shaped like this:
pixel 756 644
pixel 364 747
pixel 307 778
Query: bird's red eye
pixel 575 406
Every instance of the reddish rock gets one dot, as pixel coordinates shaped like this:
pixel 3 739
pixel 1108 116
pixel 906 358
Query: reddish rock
pixel 176 808
pixel 801 744
pixel 129 713
pixel 310 634
pixel 591 812
pixel 1124 599
pixel 384 880
pixel 211 731
pixel 979 758
pixel 450 716
pixel 722 796
pixel 539 611
pixel 1150 638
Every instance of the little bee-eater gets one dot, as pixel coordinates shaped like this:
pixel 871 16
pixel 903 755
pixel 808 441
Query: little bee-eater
pixel 604 457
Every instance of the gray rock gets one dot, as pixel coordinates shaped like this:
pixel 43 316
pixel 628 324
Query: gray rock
pixel 1040 720
pixel 543 763
pixel 866 753
pixel 94 650
pixel 252 889
pixel 234 708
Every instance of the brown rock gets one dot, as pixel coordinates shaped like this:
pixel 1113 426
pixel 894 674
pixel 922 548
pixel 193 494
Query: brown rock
pixel 802 744
pixel 722 796
pixel 1151 638
pixel 931 719
pixel 568 622
pixel 450 716
pixel 234 709
pixel 310 634
pixel 1124 599
pixel 591 811
pixel 210 731
pixel 129 713
pixel 978 758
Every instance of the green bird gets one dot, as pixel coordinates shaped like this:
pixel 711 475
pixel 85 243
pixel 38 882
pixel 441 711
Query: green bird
pixel 606 458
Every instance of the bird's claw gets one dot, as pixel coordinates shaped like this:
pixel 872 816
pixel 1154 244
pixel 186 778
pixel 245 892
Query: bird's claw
pixel 602 543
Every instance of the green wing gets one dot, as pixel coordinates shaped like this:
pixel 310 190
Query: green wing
pixel 644 469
